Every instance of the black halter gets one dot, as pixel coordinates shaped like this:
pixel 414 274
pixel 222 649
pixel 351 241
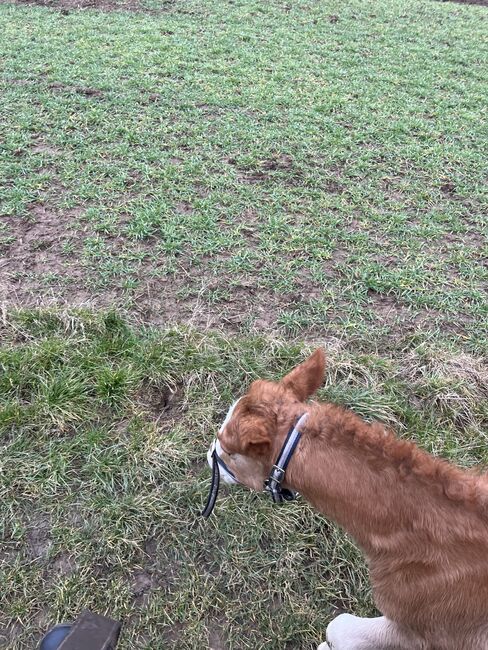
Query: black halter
pixel 272 485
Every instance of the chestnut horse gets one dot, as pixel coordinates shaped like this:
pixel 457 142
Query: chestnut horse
pixel 421 522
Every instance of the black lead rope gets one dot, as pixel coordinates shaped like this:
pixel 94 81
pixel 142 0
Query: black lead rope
pixel 214 488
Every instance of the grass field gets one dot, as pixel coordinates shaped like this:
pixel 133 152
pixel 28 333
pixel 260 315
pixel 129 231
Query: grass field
pixel 268 177
pixel 316 168
pixel 104 433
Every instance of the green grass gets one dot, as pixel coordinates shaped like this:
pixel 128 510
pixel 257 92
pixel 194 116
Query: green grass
pixel 103 433
pixel 306 167
pixel 314 170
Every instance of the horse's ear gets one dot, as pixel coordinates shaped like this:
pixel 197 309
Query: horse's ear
pixel 306 378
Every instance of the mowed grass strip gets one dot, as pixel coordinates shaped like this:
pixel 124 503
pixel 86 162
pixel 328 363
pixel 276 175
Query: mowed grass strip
pixel 103 432
pixel 303 167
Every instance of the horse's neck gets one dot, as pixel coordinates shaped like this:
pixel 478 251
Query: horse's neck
pixel 421 522
pixel 381 497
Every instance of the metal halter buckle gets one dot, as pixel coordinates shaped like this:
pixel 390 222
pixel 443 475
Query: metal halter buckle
pixel 277 470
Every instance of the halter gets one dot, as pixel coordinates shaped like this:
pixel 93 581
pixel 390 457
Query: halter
pixel 272 485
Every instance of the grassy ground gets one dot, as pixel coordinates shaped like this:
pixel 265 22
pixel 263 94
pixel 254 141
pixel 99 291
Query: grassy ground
pixel 307 167
pixel 104 433
pixel 304 170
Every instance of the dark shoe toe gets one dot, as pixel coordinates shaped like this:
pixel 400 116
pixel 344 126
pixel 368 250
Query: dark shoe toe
pixel 55 636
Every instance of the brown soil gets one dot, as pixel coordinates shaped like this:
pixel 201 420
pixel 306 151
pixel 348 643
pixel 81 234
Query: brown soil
pixel 66 6
pixel 36 254
pixel 38 536
pixel 43 265
pixel 484 3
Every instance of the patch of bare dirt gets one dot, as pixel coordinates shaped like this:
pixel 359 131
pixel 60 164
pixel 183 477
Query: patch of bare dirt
pixel 67 6
pixel 389 311
pixel 263 172
pixel 448 188
pixel 142 583
pixel 249 225
pixel 333 187
pixel 80 90
pixel 484 3
pixel 280 161
pixel 216 637
pixel 35 251
pixel 10 634
pixel 160 402
pixel 183 207
pixel 62 566
pixel 45 148
pixel 196 295
pixel 384 304
pixel 38 535
pixel 153 573
pixel 40 254
pixel 253 176
pixel 172 634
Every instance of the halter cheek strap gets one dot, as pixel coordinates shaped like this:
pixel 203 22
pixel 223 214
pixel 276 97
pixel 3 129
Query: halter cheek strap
pixel 273 483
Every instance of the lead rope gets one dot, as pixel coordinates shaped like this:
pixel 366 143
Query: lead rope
pixel 214 488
